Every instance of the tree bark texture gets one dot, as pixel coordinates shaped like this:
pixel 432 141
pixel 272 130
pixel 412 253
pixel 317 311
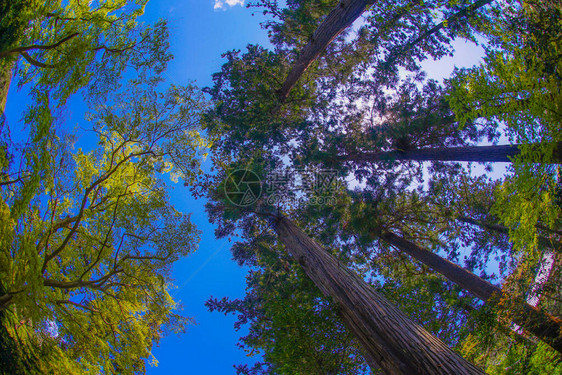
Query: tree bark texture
pixel 343 15
pixel 397 344
pixel 6 71
pixel 545 326
pixel 483 154
pixel 335 23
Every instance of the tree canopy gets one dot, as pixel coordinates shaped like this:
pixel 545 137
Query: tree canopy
pixel 343 171
pixel 89 234
pixel 350 110
pixel 87 251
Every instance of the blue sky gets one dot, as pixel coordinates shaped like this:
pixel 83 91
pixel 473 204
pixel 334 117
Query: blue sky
pixel 201 30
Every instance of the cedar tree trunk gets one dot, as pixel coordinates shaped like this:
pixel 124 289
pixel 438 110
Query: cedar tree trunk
pixel 544 326
pixel 501 153
pixel 397 344
pixel 337 21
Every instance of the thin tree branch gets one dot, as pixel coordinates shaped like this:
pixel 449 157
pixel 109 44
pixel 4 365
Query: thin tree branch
pixel 34 62
pixel 22 50
pixel 87 192
pixel 68 302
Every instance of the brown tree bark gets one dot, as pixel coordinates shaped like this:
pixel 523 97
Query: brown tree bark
pixel 24 51
pixel 19 50
pixel 397 344
pixel 6 71
pixel 337 21
pixel 484 154
pixel 5 301
pixel 545 326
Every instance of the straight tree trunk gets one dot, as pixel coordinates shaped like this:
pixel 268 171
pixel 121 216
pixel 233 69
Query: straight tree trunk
pixel 6 71
pixel 5 301
pixel 546 327
pixel 337 21
pixel 547 263
pixel 543 274
pixel 397 344
pixel 501 153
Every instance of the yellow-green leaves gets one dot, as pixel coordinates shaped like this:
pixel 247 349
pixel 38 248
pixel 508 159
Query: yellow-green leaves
pixel 523 201
pixel 517 86
pixel 91 251
pixel 7 225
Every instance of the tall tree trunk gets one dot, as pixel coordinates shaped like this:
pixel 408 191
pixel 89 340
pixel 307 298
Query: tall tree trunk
pixel 543 274
pixel 337 21
pixel 5 301
pixel 546 327
pixel 6 71
pixel 398 345
pixel 501 153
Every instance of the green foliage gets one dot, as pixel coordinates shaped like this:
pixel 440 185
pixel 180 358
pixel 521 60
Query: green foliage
pixel 86 260
pixel 296 22
pixel 13 15
pixel 519 85
pixel 518 81
pixel 394 33
pixel 69 46
pixel 512 356
pixel 524 201
pixel 292 325
pixel 246 108
pixel 12 28
pixel 356 224
pixel 501 347
pixel 351 102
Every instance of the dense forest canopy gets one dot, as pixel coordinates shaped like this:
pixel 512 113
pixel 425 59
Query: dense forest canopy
pixel 344 174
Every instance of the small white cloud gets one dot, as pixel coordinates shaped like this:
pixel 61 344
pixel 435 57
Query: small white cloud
pixel 222 4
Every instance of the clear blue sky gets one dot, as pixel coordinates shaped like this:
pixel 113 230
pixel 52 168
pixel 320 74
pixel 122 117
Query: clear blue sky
pixel 199 35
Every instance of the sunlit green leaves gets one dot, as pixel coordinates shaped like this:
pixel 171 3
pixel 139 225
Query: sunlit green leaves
pixel 91 250
pixel 517 85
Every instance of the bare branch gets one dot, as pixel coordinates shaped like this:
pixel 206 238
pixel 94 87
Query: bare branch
pixel 106 240
pixel 93 284
pixel 34 62
pixel 87 192
pixel 22 50
pixel 68 302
